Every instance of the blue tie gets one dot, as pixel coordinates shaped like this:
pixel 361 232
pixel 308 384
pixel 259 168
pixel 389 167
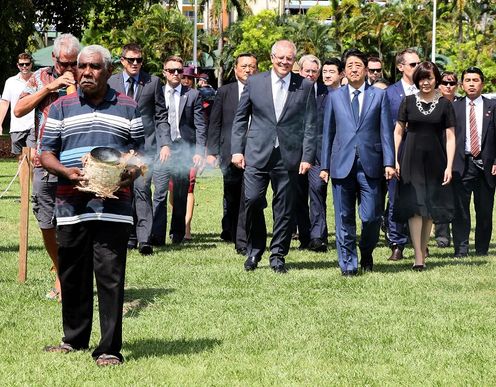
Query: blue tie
pixel 355 107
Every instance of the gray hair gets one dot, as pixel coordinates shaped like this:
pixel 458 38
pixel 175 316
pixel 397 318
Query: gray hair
pixel 69 42
pixel 283 43
pixel 309 58
pixel 97 49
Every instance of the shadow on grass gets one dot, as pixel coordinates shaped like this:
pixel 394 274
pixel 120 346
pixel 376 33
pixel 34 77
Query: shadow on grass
pixel 14 248
pixel 135 300
pixel 406 265
pixel 159 347
pixel 312 265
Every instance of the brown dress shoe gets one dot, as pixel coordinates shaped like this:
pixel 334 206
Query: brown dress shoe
pixel 396 254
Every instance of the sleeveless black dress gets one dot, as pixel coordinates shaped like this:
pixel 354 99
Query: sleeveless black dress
pixel 422 162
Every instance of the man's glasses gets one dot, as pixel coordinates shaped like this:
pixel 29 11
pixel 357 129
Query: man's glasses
pixel 413 64
pixel 448 83
pixel 24 64
pixel 67 64
pixel 174 71
pixel 375 71
pixel 133 60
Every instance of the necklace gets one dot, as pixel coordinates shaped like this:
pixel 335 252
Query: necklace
pixel 433 103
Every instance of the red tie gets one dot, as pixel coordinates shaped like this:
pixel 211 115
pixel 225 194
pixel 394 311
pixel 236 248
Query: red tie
pixel 474 137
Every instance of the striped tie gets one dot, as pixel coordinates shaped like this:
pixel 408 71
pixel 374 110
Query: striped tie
pixel 474 137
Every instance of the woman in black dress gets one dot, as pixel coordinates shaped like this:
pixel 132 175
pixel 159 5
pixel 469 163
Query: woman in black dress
pixel 424 140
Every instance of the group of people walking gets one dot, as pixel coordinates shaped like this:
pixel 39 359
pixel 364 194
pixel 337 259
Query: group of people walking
pixel 282 127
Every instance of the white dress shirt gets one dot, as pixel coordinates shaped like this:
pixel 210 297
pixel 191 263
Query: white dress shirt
pixel 177 97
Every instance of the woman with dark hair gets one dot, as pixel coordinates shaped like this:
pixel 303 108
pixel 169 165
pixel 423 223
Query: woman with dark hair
pixel 424 159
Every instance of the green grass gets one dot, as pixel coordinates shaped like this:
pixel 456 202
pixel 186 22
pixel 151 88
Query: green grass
pixel 194 317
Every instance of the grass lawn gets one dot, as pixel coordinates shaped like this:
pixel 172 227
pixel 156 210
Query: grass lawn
pixel 194 317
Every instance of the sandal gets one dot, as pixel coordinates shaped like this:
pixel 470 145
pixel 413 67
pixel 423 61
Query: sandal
pixel 105 360
pixel 53 295
pixel 61 348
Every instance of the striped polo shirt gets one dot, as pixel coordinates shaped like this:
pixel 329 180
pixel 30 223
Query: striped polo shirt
pixel 73 128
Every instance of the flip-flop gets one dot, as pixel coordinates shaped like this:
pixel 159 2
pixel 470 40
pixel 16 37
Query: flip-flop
pixel 53 295
pixel 105 360
pixel 61 348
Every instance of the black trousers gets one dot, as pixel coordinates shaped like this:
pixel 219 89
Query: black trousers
pixel 233 219
pixel 472 182
pixel 284 184
pixel 85 248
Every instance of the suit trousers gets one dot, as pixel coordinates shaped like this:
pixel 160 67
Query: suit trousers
pixel 283 184
pixel 233 193
pixel 84 248
pixel 473 181
pixel 301 212
pixel 345 193
pixel 318 206
pixel 177 168
pixel 142 207
pixel 396 232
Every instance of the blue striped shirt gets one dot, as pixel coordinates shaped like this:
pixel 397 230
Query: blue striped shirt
pixel 73 128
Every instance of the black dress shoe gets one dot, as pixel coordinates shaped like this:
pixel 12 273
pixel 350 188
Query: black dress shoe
pixel 481 253
pixel 349 273
pixel 317 245
pixel 280 269
pixel 418 267
pixel 396 253
pixel 251 263
pixel 132 245
pixel 154 241
pixel 145 249
pixel 367 268
pixel 241 251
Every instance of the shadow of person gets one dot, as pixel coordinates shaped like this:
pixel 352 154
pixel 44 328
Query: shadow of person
pixel 313 265
pixel 159 347
pixel 135 300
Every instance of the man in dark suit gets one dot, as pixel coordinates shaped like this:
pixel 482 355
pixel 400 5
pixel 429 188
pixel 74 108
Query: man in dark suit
pixel 474 164
pixel 311 220
pixel 357 150
pixel 276 146
pixel 219 150
pixel 189 135
pixel 146 90
pixel 406 62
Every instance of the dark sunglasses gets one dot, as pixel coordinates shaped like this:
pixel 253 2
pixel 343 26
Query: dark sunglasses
pixel 132 60
pixel 413 64
pixel 93 66
pixel 174 71
pixel 67 64
pixel 375 71
pixel 24 64
pixel 448 83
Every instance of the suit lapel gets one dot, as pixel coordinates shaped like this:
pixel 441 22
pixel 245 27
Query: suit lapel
pixel 289 98
pixel 347 103
pixel 368 97
pixel 486 113
pixel 139 88
pixel 182 101
pixel 269 91
pixel 461 118
pixel 120 84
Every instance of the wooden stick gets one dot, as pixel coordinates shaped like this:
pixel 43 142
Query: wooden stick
pixel 24 178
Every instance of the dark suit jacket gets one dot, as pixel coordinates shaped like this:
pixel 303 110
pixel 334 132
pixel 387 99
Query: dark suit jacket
pixel 151 105
pixel 488 146
pixel 372 137
pixel 321 101
pixel 221 122
pixel 192 125
pixel 395 94
pixel 296 128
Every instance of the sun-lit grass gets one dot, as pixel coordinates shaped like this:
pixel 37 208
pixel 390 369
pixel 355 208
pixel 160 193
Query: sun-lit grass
pixel 194 317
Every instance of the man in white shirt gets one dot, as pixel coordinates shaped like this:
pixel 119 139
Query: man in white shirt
pixel 21 129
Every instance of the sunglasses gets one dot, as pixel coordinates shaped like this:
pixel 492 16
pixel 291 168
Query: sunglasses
pixel 448 83
pixel 133 60
pixel 67 64
pixel 413 64
pixel 375 71
pixel 174 71
pixel 24 64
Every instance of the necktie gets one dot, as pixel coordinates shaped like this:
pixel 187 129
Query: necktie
pixel 173 115
pixel 280 99
pixel 474 137
pixel 130 88
pixel 355 107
